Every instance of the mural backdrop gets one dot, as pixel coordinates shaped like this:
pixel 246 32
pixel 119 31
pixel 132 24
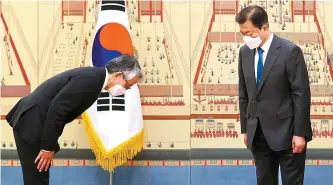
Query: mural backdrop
pixel 188 51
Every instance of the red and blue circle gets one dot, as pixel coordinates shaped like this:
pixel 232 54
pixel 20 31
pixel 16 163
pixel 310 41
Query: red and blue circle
pixel 111 41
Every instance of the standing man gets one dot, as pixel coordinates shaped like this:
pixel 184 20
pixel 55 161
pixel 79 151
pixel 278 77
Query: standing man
pixel 38 119
pixel 274 100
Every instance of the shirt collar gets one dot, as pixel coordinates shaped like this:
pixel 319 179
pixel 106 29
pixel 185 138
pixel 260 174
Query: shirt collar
pixel 106 78
pixel 268 43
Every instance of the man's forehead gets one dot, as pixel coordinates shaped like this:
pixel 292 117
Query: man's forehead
pixel 246 25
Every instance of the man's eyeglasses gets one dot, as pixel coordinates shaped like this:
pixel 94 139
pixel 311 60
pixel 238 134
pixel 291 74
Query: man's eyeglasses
pixel 127 85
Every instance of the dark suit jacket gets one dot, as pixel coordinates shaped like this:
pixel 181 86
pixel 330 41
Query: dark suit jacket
pixel 282 101
pixel 40 117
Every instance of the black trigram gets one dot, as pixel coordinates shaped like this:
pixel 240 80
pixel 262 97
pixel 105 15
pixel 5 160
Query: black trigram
pixel 117 103
pixel 113 5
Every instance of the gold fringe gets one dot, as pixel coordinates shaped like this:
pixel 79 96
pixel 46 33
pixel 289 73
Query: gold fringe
pixel 117 156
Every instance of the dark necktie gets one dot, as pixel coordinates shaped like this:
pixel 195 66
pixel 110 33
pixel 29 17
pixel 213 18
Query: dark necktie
pixel 260 66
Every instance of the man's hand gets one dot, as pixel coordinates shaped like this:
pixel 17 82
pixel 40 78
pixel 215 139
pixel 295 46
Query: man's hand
pixel 298 144
pixel 245 139
pixel 44 160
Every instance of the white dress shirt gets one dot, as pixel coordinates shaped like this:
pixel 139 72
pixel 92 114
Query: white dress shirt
pixel 106 79
pixel 264 47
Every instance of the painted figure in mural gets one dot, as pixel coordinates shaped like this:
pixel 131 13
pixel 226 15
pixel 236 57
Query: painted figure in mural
pixel 38 119
pixel 274 100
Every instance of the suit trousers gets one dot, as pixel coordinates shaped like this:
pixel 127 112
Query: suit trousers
pixel 27 154
pixel 268 161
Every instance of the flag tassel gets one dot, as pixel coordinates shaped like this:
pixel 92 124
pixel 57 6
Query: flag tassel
pixel 109 160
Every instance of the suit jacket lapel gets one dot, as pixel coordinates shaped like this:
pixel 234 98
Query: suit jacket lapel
pixel 271 57
pixel 251 67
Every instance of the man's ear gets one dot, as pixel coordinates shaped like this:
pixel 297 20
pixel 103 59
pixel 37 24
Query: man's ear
pixel 265 27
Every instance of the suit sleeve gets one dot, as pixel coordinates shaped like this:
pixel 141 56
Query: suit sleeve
pixel 62 105
pixel 300 88
pixel 242 95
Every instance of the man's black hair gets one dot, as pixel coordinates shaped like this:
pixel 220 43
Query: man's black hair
pixel 256 14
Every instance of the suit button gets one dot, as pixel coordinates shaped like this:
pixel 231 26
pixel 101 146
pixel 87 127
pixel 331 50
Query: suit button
pixel 258 100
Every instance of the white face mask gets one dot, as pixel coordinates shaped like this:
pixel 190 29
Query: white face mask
pixel 251 42
pixel 116 90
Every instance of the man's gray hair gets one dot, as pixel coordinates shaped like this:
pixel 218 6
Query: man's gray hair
pixel 126 64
